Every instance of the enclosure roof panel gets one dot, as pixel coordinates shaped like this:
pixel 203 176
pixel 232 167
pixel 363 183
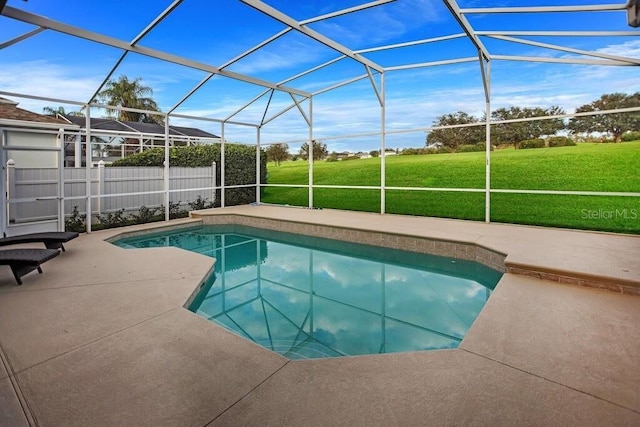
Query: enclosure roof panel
pixel 70 49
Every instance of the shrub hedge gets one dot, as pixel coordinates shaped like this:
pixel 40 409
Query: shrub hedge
pixel 240 165
pixel 441 150
pixel 531 143
pixel 631 136
pixel 468 148
pixel 560 141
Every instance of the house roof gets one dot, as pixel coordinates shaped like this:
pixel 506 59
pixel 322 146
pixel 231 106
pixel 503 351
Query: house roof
pixel 9 110
pixel 138 127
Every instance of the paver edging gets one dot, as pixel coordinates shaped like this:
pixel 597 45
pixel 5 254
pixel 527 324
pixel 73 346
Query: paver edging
pixel 617 285
pixel 473 251
pixel 470 251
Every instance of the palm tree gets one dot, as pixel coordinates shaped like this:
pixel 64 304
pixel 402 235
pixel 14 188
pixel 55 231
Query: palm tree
pixel 132 94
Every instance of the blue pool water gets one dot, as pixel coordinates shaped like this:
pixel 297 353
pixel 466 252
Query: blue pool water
pixel 306 297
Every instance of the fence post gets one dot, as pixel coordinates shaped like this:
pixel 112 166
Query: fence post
pixel 77 151
pixel 11 189
pixel 213 178
pixel 101 185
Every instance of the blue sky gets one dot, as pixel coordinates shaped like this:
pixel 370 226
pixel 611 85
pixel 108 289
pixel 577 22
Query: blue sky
pixel 59 66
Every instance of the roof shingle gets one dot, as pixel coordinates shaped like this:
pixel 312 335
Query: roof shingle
pixel 9 110
pixel 149 128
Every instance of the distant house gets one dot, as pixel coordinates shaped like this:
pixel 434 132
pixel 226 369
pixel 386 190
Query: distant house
pixel 145 129
pixel 114 139
pixel 27 131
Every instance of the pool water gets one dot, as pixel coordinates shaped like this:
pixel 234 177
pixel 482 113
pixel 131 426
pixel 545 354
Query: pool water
pixel 305 297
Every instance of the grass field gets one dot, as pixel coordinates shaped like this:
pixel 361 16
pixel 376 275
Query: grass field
pixel 586 167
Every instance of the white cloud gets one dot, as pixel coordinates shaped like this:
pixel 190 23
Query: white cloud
pixel 292 50
pixel 42 78
pixel 381 23
pixel 630 49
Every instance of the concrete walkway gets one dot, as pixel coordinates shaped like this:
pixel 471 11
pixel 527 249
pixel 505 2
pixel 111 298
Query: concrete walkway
pixel 102 338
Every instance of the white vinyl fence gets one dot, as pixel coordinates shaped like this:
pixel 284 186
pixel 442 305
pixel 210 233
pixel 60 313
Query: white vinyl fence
pixel 112 189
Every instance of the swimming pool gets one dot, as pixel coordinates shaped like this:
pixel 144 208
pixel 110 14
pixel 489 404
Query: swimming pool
pixel 306 297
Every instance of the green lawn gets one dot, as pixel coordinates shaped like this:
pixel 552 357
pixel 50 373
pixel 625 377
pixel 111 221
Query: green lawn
pixel 586 167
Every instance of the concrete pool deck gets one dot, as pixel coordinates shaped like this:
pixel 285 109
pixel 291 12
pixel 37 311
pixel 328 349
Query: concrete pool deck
pixel 102 338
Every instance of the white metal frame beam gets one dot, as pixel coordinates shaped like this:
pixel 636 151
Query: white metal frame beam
pixel 559 33
pixel 254 99
pixel 122 45
pixel 392 68
pixel 21 38
pixel 272 39
pixel 411 43
pixel 546 59
pixel 305 22
pixel 228 63
pixel 375 86
pixel 432 63
pixel 290 22
pixel 340 84
pixel 376 49
pixel 633 61
pixel 135 41
pixel 281 112
pixel 546 9
pixel 311 70
pixel 296 103
pixel 453 7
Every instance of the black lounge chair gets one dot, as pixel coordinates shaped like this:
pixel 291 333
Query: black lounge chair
pixel 23 261
pixel 51 239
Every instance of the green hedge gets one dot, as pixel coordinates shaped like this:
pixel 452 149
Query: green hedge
pixel 560 141
pixel 531 143
pixel 441 150
pixel 468 148
pixel 631 136
pixel 240 165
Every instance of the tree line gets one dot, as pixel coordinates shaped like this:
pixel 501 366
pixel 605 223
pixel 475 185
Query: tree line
pixel 124 92
pixel 514 133
pixel 517 133
pixel 278 153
